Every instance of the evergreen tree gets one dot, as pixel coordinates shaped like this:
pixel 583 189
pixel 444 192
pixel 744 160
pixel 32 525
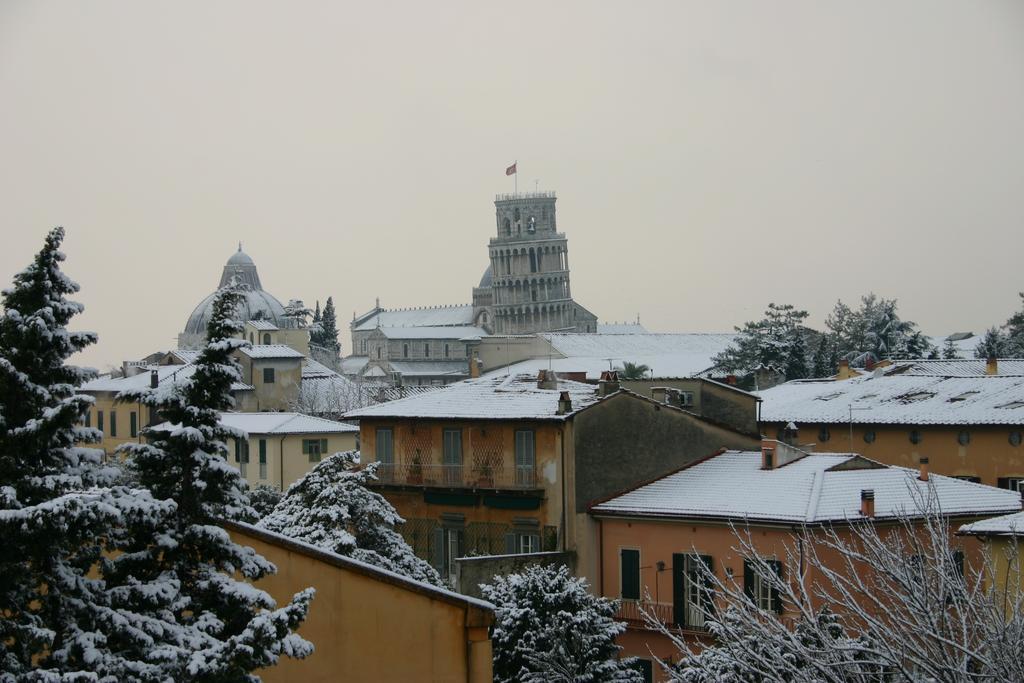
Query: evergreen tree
pixel 57 505
pixel 332 508
pixel 993 345
pixel 264 498
pixel 796 364
pixel 316 327
pixel 549 627
pixel 329 323
pixel 949 350
pixel 316 312
pixel 633 370
pixel 1015 333
pixel 874 332
pixel 821 365
pixel 767 342
pixel 220 628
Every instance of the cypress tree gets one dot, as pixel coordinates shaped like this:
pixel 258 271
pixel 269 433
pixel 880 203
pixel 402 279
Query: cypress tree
pixel 329 323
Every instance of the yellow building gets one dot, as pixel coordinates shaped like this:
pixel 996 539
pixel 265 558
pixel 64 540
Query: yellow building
pixel 369 624
pixel 508 465
pixel 281 447
pixel 1002 539
pixel 966 416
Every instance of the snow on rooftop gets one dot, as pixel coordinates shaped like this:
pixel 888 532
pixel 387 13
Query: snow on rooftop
pixel 312 369
pixel 262 325
pixel 458 315
pixel 433 332
pixel 1004 525
pixel 732 485
pixel 620 328
pixel 168 375
pixel 430 368
pixel 966 367
pixel 898 399
pixel 270 351
pixel 487 398
pixel 278 423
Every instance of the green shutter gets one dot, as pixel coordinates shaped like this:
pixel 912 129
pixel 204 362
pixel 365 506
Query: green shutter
pixel 776 565
pixel 709 584
pixel 238 451
pixel 629 563
pixel 323 447
pixel 263 451
pixel 305 446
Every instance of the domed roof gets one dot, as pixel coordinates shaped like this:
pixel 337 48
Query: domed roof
pixel 488 279
pixel 255 304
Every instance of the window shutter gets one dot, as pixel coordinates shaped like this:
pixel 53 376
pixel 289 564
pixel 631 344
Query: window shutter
pixel 510 544
pixel 748 579
pixel 709 584
pixel 263 451
pixel 437 552
pixel 629 566
pixel 323 447
pixel 958 564
pixel 238 451
pixel 776 565
pixel 535 542
pixel 1003 482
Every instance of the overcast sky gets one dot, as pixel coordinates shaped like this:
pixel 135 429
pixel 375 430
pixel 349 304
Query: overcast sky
pixel 708 157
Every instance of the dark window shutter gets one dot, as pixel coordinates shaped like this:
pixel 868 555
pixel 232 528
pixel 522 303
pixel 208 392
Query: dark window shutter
pixel 776 566
pixel 1003 482
pixel 958 564
pixel 323 447
pixel 678 589
pixel 437 552
pixel 709 584
pixel 510 544
pixel 263 451
pixel 748 579
pixel 238 451
pixel 629 565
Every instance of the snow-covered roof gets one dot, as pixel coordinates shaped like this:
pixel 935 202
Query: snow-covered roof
pixel 898 399
pixel 263 325
pixel 1004 525
pixel 490 398
pixel 351 365
pixel 186 355
pixel 168 375
pixel 432 316
pixel 811 489
pixel 277 423
pixel 620 328
pixel 270 351
pixel 430 368
pixel 312 369
pixel 433 332
pixel 968 367
pixel 667 355
pixel 965 343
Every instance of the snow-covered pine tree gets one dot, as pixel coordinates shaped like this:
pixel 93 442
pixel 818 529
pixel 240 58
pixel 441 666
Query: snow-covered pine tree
pixel 1015 333
pixel 993 345
pixel 316 327
pixel 264 498
pixel 329 323
pixel 57 509
pixel 549 627
pixel 221 628
pixel 796 364
pixel 949 350
pixel 767 342
pixel 820 366
pixel 332 508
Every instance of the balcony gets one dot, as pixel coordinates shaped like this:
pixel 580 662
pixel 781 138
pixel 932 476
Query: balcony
pixel 518 477
pixel 633 611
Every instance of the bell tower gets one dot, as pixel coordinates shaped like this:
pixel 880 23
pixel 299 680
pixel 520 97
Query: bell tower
pixel 530 268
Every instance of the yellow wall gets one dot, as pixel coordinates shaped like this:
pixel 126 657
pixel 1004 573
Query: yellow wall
pixel 366 626
pixel 105 404
pixel 280 394
pixel 296 463
pixel 989 455
pixel 1004 572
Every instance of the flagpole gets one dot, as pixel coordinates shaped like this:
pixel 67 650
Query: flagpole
pixel 516 174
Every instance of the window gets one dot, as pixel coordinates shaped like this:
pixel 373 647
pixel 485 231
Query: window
pixel 405 350
pixel 99 420
pixel 87 421
pixel 251 338
pixel 452 456
pixel 525 457
pixel 362 345
pixel 1014 439
pixel 426 350
pixel 378 352
pixel 266 339
pixel 759 588
pixel 963 438
pixel 242 455
pixel 447 352
pixel 1012 483
pixel 133 424
pixel 691 590
pixel 869 436
pixel 966 477
pixel 314 448
pixel 686 398
pixel 629 574
pixel 385 446
pixel 646 669
pixel 523 539
pixel 113 423
pixel 268 375
pixel 263 458
pixel 915 436
pixel 824 434
pixel 448 542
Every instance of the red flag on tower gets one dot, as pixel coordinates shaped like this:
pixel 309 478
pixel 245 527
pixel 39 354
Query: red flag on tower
pixel 511 170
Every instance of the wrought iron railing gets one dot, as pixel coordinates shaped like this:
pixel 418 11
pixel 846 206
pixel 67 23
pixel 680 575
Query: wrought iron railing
pixel 459 476
pixel 639 612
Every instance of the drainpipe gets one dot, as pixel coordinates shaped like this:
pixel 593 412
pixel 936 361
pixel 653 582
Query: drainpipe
pixel 565 495
pixel 280 462
pixel 600 557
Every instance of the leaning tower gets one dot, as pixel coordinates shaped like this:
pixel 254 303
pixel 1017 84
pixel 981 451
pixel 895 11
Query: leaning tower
pixel 530 269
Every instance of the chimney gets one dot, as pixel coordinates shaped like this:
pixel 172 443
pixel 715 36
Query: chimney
pixel 608 384
pixel 867 502
pixel 564 403
pixel 869 364
pixel 474 366
pixel 546 380
pixel 992 366
pixel 924 470
pixel 767 456
pixel 154 378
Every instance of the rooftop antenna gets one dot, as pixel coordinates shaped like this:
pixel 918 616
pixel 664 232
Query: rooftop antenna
pixel 239 245
pixel 536 185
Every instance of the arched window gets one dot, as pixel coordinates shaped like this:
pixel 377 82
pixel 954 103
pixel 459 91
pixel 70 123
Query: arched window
pixel 508 227
pixel 378 352
pixel 515 215
pixel 533 261
pixel 266 338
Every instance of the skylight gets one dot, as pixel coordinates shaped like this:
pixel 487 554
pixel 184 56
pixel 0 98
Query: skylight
pixel 1012 404
pixel 964 396
pixel 915 396
pixel 829 397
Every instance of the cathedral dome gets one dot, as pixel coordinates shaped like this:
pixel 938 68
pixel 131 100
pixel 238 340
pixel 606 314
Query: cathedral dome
pixel 255 304
pixel 488 279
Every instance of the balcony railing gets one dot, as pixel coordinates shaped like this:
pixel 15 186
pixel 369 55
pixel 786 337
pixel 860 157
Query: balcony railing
pixel 459 476
pixel 633 611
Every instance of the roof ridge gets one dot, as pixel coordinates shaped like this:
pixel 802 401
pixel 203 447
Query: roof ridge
pixel 815 498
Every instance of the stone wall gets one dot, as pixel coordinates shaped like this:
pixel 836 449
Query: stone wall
pixel 473 571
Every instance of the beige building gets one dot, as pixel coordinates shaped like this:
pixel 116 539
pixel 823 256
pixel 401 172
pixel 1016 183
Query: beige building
pixel 1002 539
pixel 281 447
pixel 369 624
